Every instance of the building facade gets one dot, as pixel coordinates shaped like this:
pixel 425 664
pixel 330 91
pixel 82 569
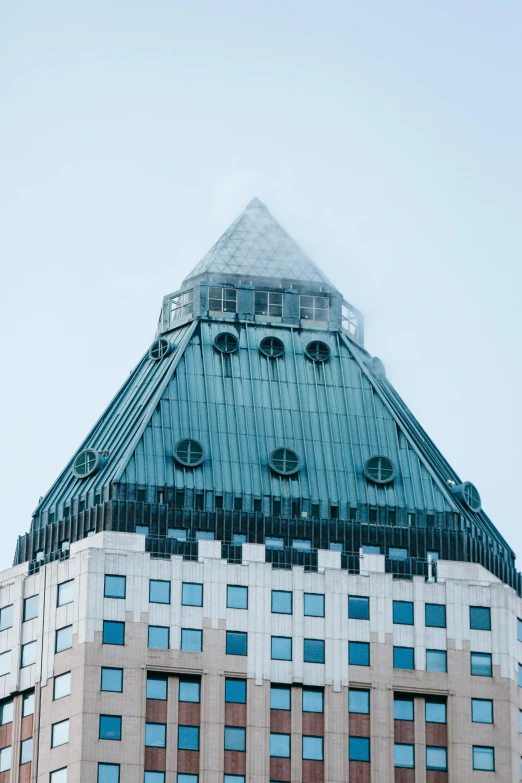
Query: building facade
pixel 257 566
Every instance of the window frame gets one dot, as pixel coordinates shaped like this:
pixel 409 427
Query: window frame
pixel 481 748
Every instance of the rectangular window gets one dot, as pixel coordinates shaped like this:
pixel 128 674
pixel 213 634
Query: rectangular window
pixel 313 700
pixel 204 535
pixel 520 675
pixel 313 748
pixel 403 612
pixel 222 300
pixel 435 615
pixel 142 530
pixel 189 690
pixel 155 735
pixel 358 607
pixel 436 661
pixel 183 778
pixel 280 746
pixel 30 608
pixel 235 691
pixel 397 553
pixel 268 303
pixel 274 543
pixel 63 639
pixel 6 617
pixel 302 544
pixel 111 679
pixel 157 687
pixel 435 711
pixel 181 305
pixel 113 632
pixel 481 710
pixel 28 704
pixel 239 538
pixel 236 643
pixel 107 773
pixel 235 738
pixel 6 712
pixel 110 727
pixel 480 618
pixel 279 697
pixel 436 758
pixel 358 749
pixel 191 640
pixel 403 658
pixel 115 586
pixel 483 758
pixel 159 637
pixel 359 701
pixel 313 651
pixel 403 755
pixel 281 648
pixel 314 308
pixel 28 654
pixel 481 664
pixel 402 708
pixel 370 549
pixel 5 663
pixel 60 733
pixel 5 759
pixel 234 779
pixel 519 629
pixel 178 533
pixel 26 751
pixel 65 594
pixel 281 602
pixel 335 546
pixel 154 777
pixel 237 597
pixel 188 737
pixel 192 594
pixel 159 591
pixel 359 653
pixel 314 605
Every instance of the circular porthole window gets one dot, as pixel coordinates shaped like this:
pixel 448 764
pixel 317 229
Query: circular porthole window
pixel 469 495
pixel 284 461
pixel 159 349
pixel 226 342
pixel 87 462
pixel 189 452
pixel 272 347
pixel 318 351
pixel 380 470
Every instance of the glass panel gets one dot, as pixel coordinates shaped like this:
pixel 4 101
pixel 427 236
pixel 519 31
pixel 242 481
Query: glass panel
pixel 436 758
pixel 66 592
pixel 397 553
pixel 359 653
pixel 191 640
pixel 5 759
pixel 481 711
pixel 279 697
pixel 313 748
pixel 314 651
pixel 60 776
pixel 403 658
pixel 6 712
pixel 480 618
pixel 358 607
pixel 6 617
pixel 314 605
pixel 235 691
pixel 435 615
pixel 155 735
pixel 189 690
pixel 111 679
pixel 159 637
pixel 483 758
pixel 281 602
pixel 157 687
pixel 28 704
pixel 280 745
pixel 192 594
pixel 435 711
pixel 107 773
pixel 5 663
pixel 403 612
pixel 114 586
pixel 403 756
pixel 359 702
pixel 110 727
pixel 402 708
pixel 358 749
pixel 64 638
pixel 281 648
pixel 30 608
pixel 313 700
pixel 188 737
pixel 159 591
pixel 26 751
pixel 237 597
pixel 481 664
pixel 60 733
pixel 235 738
pixel 28 654
pixel 113 632
pixel 236 643
pixel 436 661
pixel 274 543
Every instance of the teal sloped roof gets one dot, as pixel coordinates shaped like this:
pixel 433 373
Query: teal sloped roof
pixel 256 246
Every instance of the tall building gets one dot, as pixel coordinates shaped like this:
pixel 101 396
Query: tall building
pixel 258 566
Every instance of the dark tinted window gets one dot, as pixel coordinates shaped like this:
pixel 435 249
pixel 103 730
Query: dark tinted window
pixel 358 607
pixel 481 664
pixel 236 643
pixel 113 632
pixel 403 658
pixel 313 651
pixel 480 618
pixel 403 612
pixel 235 691
pixel 359 653
pixel 435 615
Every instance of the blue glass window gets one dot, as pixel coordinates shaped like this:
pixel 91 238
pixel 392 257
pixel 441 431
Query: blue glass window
pixel 481 710
pixel 281 602
pixel 279 697
pixel 154 777
pixel 358 607
pixel 403 612
pixel 483 758
pixel 191 640
pixel 436 758
pixel 358 749
pixel 159 591
pixel 520 675
pixel 155 735
pixel 359 701
pixel 237 597
pixel 113 632
pixel 359 653
pixel 159 637
pixel 519 629
pixel 110 727
pixel 436 661
pixel 280 746
pixel 188 737
pixel 313 700
pixel 402 708
pixel 30 608
pixel 281 648
pixel 192 594
pixel 435 711
pixel 107 773
pixel 480 618
pixel 481 664
pixel 157 687
pixel 313 748
pixel 314 604
pixel 274 543
pixel 184 778
pixel 235 691
pixel 403 658
pixel 189 690
pixel 114 586
pixel 236 643
pixel 111 679
pixel 435 615
pixel 6 617
pixel 235 738
pixel 313 651
pixel 64 638
pixel 403 755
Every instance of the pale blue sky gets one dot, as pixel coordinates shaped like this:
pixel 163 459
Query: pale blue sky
pixel 386 137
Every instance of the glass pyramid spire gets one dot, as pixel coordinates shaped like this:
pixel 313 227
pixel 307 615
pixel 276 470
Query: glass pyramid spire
pixel 256 247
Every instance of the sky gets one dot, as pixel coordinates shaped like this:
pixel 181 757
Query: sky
pixel 385 137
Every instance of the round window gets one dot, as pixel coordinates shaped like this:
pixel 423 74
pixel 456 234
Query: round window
pixel 318 351
pixel 380 470
pixel 159 349
pixel 272 347
pixel 226 342
pixel 86 463
pixel 189 452
pixel 284 461
pixel 471 496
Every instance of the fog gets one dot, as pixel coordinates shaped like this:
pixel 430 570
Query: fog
pixel 385 137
